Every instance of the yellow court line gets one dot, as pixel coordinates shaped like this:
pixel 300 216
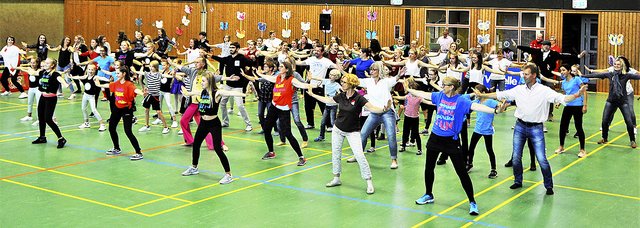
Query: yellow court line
pixel 590 191
pixel 611 145
pixel 11 103
pixel 93 180
pixel 499 183
pixel 76 197
pixel 237 190
pixel 504 203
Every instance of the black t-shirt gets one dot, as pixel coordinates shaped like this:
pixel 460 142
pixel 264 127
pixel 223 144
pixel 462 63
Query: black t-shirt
pixel 90 86
pixel 125 57
pixel 165 84
pixel 49 82
pixel 64 58
pixel 34 80
pixel 207 105
pixel 349 108
pixel 202 45
pixel 138 46
pixel 232 66
pixel 42 50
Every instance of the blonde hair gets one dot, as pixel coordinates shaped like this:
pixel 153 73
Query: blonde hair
pixel 382 70
pixel 452 81
pixel 351 80
pixel 154 64
pixel 411 82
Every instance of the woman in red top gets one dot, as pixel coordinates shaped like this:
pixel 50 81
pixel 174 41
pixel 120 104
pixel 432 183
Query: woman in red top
pixel 124 93
pixel 279 110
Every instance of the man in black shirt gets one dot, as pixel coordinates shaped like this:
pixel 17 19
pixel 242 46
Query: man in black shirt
pixel 203 43
pixel 233 64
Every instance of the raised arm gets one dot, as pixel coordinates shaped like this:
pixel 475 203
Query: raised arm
pixel 549 80
pixel 391 63
pixel 269 78
pixel 483 108
pixel 323 99
pixel 569 98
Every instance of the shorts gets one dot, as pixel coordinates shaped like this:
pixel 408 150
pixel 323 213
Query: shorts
pixel 176 87
pixel 151 101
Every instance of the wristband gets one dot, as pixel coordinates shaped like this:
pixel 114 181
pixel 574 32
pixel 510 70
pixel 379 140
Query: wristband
pixel 495 111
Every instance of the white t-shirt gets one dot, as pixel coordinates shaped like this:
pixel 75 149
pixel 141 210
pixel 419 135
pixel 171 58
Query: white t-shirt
pixel 412 68
pixel 10 56
pixel 272 44
pixel 476 75
pixel 378 93
pixel 192 55
pixel 444 43
pixel 318 68
pixel 498 65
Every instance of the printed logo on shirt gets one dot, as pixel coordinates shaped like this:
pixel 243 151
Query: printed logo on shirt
pixel 444 115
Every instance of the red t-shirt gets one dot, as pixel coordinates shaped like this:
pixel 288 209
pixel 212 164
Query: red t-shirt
pixel 283 92
pixel 123 93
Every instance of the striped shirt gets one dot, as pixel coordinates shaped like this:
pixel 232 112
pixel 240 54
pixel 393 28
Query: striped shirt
pixel 153 82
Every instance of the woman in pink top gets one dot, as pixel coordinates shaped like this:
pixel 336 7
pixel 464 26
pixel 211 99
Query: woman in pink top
pixel 411 117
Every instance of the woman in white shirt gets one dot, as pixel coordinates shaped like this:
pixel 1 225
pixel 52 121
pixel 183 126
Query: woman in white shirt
pixel 11 57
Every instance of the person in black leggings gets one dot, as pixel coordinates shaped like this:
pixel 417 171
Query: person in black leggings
pixel 617 99
pixel 50 81
pixel 209 124
pixel 444 138
pixel 123 95
pixel 11 56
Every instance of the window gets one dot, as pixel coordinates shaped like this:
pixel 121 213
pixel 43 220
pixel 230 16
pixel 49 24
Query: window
pixel 517 28
pixel 457 21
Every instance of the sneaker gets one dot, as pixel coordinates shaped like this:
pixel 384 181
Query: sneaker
pixel 329 129
pixel 425 199
pixel 549 191
pixel 309 127
pixel 352 159
pixel 411 144
pixel 136 157
pixel 190 171
pixel 634 144
pixel 320 138
pixel 144 128
pixel 135 120
pixel 225 148
pixel 473 208
pixel 419 152
pixel 394 165
pixel 513 127
pixel 229 111
pixel 156 122
pixel 40 140
pixel 61 143
pixel 239 114
pixel 226 179
pixel 155 116
pixel 91 115
pixel 493 174
pixel 103 99
pixel 281 144
pixel 508 164
pixel 424 132
pixel 23 95
pixel 515 186
pixel 84 125
pixel 72 96
pixel 544 128
pixel 102 128
pixel 174 124
pixel 180 132
pixel 469 167
pixel 224 125
pixel 113 151
pixel 582 154
pixel 559 151
pixel 371 150
pixel 165 130
pixel 333 183
pixel 402 149
pixel 533 168
pixel 441 162
pixel 575 136
pixel 302 161
pixel 6 93
pixel 269 155
pixel 26 118
pixel 248 128
pixel 370 189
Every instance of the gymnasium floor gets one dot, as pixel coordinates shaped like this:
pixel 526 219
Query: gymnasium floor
pixel 80 186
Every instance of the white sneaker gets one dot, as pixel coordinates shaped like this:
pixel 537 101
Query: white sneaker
pixel 144 128
pixel 239 114
pixel 156 122
pixel 6 93
pixel 102 128
pixel 333 183
pixel 544 128
pixel 55 120
pixel 180 132
pixel 174 124
pixel 190 171
pixel 26 118
pixel 370 189
pixel 249 128
pixel 229 111
pixel 165 130
pixel 226 179
pixel 23 95
pixel 84 125
pixel 72 96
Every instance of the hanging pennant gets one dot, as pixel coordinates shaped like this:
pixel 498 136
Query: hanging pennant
pixel 286 32
pixel 185 21
pixel 138 23
pixel 305 26
pixel 158 24
pixel 262 27
pixel 188 9
pixel 224 25
pixel 240 33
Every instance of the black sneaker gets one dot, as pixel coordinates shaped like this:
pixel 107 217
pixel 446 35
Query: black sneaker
pixel 40 140
pixel 493 174
pixel 61 143
pixel 419 152
pixel 441 162
pixel 575 135
pixel 533 168
pixel 469 166
pixel 508 164
pixel 371 150
pixel 402 149
pixel 515 186
pixel 549 191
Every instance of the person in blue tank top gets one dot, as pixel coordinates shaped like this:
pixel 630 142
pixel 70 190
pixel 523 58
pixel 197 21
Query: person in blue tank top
pixel 483 128
pixel 576 108
pixel 451 109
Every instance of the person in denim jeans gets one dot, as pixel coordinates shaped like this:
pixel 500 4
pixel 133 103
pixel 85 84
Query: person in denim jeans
pixel 533 103
pixel 379 93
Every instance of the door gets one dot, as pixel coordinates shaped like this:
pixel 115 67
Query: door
pixel 589 42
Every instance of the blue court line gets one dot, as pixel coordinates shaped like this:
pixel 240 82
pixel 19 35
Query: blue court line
pixel 288 186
